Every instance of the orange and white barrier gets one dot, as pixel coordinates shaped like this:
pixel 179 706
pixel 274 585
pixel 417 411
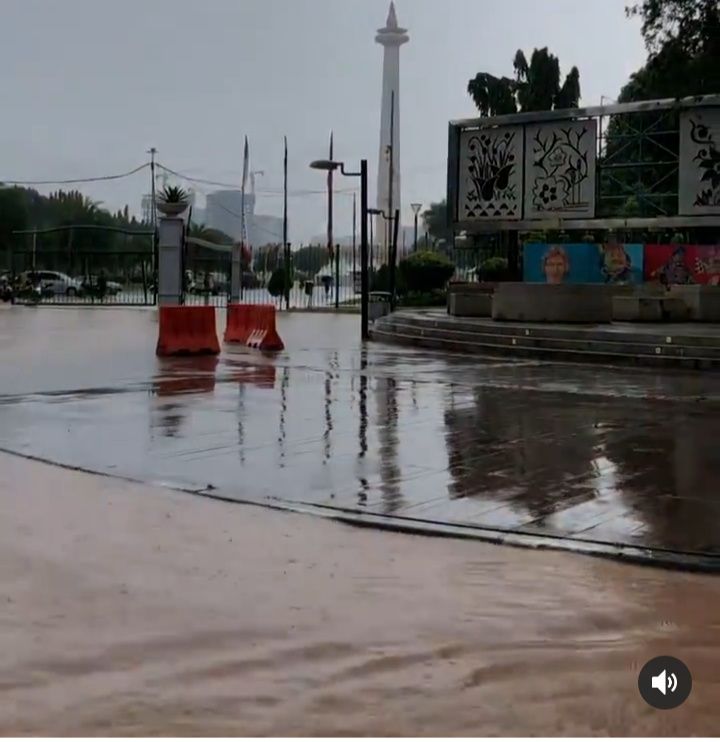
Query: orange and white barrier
pixel 187 331
pixel 253 325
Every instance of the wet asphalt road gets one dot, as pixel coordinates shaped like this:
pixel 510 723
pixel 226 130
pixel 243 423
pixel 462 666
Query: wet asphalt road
pixel 598 455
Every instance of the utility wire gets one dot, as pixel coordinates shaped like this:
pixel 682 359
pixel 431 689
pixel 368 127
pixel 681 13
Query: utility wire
pixel 234 186
pixel 75 180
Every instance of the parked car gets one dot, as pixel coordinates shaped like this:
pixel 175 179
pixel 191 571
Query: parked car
pixel 90 284
pixel 54 283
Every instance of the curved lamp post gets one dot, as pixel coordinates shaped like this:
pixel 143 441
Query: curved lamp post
pixel 416 210
pixel 331 165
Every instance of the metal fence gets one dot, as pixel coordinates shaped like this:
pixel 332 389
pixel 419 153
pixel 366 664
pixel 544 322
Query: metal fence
pixel 88 265
pixel 82 264
pixel 87 278
pixel 315 279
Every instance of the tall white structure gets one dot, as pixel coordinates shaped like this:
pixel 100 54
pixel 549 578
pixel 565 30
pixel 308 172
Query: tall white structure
pixel 391 37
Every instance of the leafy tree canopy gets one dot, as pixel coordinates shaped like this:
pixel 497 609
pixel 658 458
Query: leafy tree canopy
pixel 693 23
pixel 435 221
pixel 536 86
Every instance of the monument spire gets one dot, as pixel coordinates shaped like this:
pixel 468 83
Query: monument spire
pixel 391 37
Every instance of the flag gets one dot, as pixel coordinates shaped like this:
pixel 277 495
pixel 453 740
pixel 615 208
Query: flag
pixel 285 194
pixel 246 163
pixel 286 247
pixel 246 167
pixel 330 203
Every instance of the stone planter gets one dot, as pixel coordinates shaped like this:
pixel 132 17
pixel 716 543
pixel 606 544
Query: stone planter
pixel 171 209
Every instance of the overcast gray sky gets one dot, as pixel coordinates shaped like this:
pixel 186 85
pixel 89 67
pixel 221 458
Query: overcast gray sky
pixel 87 86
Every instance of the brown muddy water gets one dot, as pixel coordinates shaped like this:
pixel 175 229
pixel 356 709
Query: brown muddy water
pixel 133 610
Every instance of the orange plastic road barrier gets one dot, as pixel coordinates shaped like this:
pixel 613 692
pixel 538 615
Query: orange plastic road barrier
pixel 253 325
pixel 187 331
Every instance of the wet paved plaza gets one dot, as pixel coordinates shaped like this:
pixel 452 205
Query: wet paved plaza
pixel 591 458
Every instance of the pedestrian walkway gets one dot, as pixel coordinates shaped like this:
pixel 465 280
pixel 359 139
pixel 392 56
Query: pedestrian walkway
pixel 616 461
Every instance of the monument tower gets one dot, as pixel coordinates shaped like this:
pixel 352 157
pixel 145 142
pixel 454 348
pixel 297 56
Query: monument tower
pixel 391 37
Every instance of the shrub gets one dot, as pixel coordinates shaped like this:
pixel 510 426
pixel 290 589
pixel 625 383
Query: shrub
pixel 380 280
pixel 492 269
pixel 276 284
pixel 426 271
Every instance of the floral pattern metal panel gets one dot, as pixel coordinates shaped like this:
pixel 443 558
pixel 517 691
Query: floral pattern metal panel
pixel 700 162
pixel 560 169
pixel 490 185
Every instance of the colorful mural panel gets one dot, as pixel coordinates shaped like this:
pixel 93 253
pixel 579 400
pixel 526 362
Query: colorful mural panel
pixel 583 262
pixel 682 264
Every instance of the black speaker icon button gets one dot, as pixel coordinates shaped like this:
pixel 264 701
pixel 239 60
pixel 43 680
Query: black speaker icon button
pixel 665 682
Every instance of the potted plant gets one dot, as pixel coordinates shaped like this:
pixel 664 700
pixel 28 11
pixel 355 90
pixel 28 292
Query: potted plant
pixel 172 201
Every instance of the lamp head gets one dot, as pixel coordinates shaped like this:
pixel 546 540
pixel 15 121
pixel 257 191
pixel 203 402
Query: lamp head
pixel 325 165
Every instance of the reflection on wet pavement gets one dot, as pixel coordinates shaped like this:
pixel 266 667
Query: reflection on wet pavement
pixel 607 455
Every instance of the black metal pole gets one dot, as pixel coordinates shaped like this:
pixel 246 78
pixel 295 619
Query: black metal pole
pixel 286 244
pixel 415 245
pixel 337 276
pixel 364 285
pixel 153 219
pixel 393 257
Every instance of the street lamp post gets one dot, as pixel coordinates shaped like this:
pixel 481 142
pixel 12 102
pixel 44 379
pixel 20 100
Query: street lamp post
pixel 416 210
pixel 331 165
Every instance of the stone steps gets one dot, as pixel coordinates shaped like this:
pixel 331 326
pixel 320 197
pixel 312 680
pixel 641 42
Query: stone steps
pixel 552 343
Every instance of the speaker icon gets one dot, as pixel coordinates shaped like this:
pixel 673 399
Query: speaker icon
pixel 665 682
pixel 670 676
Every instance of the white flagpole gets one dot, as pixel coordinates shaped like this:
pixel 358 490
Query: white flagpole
pixel 236 268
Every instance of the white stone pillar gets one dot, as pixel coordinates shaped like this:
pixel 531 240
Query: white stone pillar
pixel 391 38
pixel 171 231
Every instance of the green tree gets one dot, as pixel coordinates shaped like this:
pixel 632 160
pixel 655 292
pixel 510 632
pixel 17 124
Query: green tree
pixel 209 234
pixel 435 221
pixel 494 96
pixel 693 23
pixel 13 216
pixel 683 42
pixel 536 86
pixel 311 258
pixel 265 258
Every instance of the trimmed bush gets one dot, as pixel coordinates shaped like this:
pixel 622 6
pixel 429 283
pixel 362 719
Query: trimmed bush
pixel 276 284
pixel 426 271
pixel 380 280
pixel 492 269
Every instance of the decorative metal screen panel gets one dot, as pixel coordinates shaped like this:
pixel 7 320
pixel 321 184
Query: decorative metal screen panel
pixel 699 188
pixel 560 169
pixel 490 182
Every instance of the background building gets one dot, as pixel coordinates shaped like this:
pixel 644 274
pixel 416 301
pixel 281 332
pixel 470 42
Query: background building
pixel 223 211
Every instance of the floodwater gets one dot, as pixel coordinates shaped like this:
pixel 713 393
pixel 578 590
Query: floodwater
pixel 133 609
pixel 129 610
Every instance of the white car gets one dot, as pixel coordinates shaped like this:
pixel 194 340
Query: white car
pixel 59 284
